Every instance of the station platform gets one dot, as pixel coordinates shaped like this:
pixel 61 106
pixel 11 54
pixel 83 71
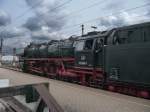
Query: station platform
pixel 77 98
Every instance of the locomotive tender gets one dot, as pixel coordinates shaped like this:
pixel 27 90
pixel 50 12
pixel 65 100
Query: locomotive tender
pixel 117 60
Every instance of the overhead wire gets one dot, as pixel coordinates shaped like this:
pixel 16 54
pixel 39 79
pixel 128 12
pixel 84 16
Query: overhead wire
pixel 35 5
pixel 112 14
pixel 83 9
pixel 118 12
pixel 88 21
pixel 72 13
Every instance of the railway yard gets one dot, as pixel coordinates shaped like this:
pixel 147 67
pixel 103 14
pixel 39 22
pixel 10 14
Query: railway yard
pixel 77 98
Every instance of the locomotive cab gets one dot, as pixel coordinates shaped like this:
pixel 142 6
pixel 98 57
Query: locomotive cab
pixel 88 49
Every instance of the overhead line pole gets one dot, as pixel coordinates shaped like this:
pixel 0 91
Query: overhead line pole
pixel 82 29
pixel 1 48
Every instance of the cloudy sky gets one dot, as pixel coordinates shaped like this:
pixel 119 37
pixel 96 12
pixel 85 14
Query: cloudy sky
pixel 25 21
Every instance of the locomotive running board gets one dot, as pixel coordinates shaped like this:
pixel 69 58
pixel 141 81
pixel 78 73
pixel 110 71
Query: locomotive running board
pixel 33 92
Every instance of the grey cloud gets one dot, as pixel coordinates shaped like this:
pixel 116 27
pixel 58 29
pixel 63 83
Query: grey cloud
pixel 40 37
pixel 148 8
pixel 41 27
pixel 44 35
pixel 33 2
pixel 48 16
pixel 43 6
pixel 16 42
pixel 14 38
pixel 4 18
pixel 122 20
pixel 33 23
pixel 12 32
pixel 114 5
pixel 113 21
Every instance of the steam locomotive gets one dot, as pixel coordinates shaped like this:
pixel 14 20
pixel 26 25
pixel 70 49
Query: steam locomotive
pixel 117 60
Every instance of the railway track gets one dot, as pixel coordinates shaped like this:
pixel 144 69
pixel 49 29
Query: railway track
pixel 76 98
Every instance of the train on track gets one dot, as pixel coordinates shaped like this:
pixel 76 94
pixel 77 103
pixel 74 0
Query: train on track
pixel 116 60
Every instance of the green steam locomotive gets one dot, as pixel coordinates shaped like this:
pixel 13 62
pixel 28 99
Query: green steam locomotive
pixel 117 60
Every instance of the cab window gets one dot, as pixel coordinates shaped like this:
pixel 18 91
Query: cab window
pixel 88 44
pixel 79 45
